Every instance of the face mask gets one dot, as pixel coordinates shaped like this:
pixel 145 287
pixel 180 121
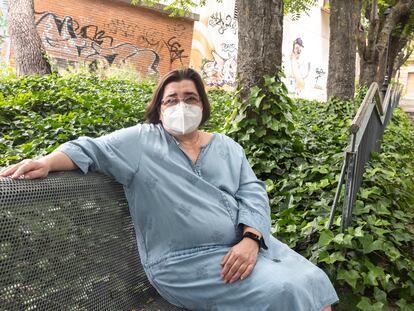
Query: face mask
pixel 182 118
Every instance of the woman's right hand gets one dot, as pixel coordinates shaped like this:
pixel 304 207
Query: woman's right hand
pixel 27 169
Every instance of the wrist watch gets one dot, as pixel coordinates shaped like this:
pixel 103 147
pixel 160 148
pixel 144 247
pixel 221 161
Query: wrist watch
pixel 253 236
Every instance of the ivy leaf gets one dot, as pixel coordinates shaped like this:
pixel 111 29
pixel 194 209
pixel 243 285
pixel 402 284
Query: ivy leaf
pixel 404 306
pixel 349 276
pixel 258 100
pixel 358 232
pixel 325 238
pixel 369 245
pixel 269 185
pixel 334 257
pixel 366 305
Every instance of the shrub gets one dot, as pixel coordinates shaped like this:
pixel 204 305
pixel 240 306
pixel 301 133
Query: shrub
pixel 37 114
pixel 297 147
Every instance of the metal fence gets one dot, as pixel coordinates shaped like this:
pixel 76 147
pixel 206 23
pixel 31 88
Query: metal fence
pixel 367 130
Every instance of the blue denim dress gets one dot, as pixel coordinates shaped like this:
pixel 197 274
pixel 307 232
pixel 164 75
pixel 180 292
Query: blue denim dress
pixel 187 216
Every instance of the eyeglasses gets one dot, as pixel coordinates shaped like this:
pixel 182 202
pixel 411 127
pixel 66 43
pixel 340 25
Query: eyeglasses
pixel 189 100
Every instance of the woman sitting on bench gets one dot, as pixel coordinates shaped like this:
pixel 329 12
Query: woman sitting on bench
pixel 202 218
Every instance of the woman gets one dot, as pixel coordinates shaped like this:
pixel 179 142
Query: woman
pixel 201 216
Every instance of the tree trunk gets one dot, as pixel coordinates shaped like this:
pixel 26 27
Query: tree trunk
pixel 366 46
pixel 26 42
pixel 367 73
pixel 402 56
pixel 395 46
pixel 373 50
pixel 260 41
pixel 345 15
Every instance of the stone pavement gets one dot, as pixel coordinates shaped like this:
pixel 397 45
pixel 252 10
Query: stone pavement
pixel 408 106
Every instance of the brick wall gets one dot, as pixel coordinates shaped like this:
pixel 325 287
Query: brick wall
pixel 111 32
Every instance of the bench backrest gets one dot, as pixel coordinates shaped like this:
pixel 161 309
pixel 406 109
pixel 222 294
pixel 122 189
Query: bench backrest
pixel 67 243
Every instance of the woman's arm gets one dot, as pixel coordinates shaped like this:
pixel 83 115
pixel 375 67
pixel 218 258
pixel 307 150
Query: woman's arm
pixel 254 210
pixel 31 169
pixel 116 155
pixel 254 216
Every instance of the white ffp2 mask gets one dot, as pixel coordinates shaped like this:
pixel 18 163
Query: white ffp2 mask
pixel 182 118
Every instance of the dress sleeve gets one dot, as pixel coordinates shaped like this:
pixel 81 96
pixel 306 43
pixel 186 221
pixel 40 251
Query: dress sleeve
pixel 254 210
pixel 111 154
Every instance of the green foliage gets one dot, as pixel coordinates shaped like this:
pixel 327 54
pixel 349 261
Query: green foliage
pixel 222 104
pixel 174 7
pixel 372 264
pixel 37 114
pixel 297 7
pixel 183 7
pixel 296 147
pixel 264 126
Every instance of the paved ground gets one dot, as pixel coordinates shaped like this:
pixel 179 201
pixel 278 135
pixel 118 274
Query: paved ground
pixel 408 106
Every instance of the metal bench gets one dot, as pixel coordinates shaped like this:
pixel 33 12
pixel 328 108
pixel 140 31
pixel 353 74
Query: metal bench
pixel 67 243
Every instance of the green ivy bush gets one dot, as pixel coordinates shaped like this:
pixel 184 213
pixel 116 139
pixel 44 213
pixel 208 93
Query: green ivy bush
pixel 297 147
pixel 37 114
pixel 372 265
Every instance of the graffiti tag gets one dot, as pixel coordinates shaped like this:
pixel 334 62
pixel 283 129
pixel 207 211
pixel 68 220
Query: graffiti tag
pixel 66 37
pixel 223 22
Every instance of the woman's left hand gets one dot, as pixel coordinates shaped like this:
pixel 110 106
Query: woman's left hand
pixel 239 261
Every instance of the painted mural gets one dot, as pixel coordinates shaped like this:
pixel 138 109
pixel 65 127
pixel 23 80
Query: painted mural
pixel 214 49
pixel 4 34
pixel 306 53
pixel 305 49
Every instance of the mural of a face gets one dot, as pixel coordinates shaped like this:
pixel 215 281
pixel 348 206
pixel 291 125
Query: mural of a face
pixel 297 49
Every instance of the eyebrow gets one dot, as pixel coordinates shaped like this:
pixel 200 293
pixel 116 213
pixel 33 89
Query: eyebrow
pixel 185 94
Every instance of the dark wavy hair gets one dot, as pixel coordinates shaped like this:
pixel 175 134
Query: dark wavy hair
pixel 152 114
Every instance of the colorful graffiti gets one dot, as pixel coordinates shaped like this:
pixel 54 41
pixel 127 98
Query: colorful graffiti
pixel 4 33
pixel 214 49
pixel 66 37
pixel 220 71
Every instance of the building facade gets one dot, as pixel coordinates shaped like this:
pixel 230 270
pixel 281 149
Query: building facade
pixel 406 77
pixel 305 48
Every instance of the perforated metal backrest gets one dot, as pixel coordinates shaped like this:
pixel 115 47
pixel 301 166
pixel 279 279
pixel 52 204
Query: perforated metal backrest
pixel 67 243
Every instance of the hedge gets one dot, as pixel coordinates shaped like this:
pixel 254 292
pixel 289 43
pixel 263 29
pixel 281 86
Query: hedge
pixel 295 146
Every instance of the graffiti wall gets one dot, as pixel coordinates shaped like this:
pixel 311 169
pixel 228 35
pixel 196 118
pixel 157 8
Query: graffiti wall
pixel 107 33
pixel 305 48
pixel 4 35
pixel 214 49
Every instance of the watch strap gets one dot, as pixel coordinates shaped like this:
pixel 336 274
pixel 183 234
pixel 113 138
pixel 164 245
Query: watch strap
pixel 252 236
pixel 256 238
